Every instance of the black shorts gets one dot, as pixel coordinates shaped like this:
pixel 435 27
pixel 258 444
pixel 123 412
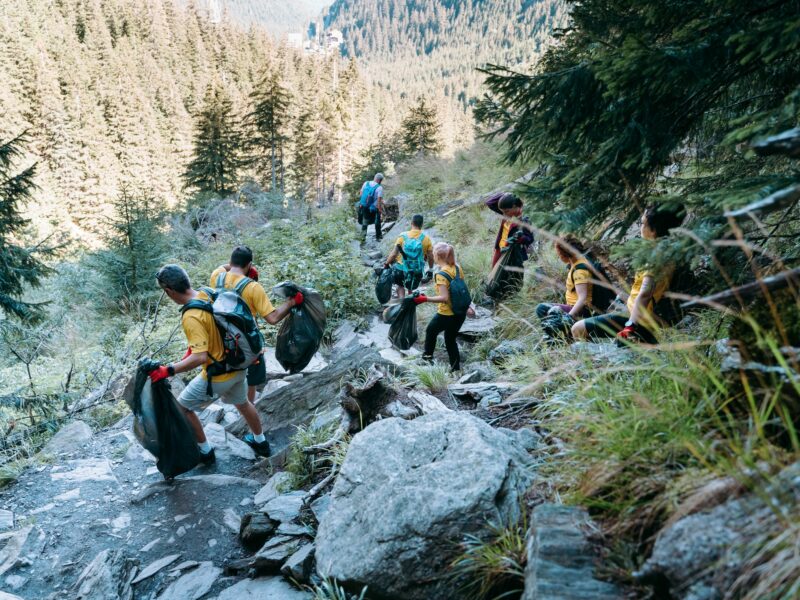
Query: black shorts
pixel 408 279
pixel 257 373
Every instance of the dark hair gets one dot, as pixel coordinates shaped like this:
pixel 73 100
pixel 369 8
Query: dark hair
pixel 241 257
pixel 174 278
pixel 569 241
pixel 508 200
pixel 417 220
pixel 661 219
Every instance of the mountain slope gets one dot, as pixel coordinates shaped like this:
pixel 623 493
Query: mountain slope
pixel 276 16
pixel 423 46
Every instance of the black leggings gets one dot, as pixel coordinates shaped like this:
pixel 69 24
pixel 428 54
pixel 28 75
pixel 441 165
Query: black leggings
pixel 450 325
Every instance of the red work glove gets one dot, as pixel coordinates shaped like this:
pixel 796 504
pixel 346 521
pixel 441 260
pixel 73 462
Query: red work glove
pixel 158 374
pixel 298 298
pixel 188 353
pixel 422 298
pixel 253 273
pixel 627 334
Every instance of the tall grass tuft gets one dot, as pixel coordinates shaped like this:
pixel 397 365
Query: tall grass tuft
pixel 492 568
pixel 330 589
pixel 434 378
pixel 305 468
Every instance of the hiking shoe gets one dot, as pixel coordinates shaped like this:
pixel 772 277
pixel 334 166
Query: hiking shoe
pixel 208 458
pixel 260 448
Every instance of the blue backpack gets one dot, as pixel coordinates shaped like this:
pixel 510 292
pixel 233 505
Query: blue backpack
pixel 413 255
pixel 460 298
pixel 368 196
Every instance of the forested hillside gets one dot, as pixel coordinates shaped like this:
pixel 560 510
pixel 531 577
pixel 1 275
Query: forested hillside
pixel 433 47
pixel 107 91
pixel 276 16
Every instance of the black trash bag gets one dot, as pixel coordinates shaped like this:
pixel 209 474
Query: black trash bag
pixel 507 277
pixel 301 332
pixel 383 287
pixel 403 332
pixel 159 424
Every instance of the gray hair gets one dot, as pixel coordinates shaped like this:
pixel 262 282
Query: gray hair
pixel 378 176
pixel 173 277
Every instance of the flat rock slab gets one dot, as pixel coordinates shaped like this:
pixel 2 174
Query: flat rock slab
pixel 194 584
pixel 90 469
pixel 265 588
pixel 274 368
pixel 478 392
pixel 560 557
pixel 273 488
pixel 6 519
pixel 226 443
pixel 482 324
pixel 154 567
pixel 70 438
pixel 276 552
pixel 408 492
pixel 286 507
pixel 298 566
pixel 216 480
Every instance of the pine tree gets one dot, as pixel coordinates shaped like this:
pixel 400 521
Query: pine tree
pixel 303 166
pixel 421 129
pixel 217 146
pixel 19 266
pixel 268 123
pixel 135 248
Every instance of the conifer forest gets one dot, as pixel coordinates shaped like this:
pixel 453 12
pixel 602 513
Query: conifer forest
pixel 400 299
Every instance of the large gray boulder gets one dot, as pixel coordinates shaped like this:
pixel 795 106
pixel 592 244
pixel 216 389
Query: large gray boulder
pixel 408 491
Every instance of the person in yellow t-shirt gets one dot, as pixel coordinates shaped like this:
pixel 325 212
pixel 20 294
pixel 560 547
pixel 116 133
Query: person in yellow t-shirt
pixel 648 288
pixel 444 320
pixel 408 257
pixel 228 277
pixel 205 347
pixel 578 285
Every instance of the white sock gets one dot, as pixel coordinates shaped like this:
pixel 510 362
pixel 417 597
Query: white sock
pixel 205 447
pixel 259 438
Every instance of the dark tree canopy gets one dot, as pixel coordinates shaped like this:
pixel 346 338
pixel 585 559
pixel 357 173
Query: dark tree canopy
pixel 650 100
pixel 19 265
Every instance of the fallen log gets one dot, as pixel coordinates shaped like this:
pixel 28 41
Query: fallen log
pixel 775 201
pixel 749 290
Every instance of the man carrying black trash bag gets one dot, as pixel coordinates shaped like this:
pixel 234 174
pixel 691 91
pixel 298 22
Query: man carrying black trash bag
pixel 206 349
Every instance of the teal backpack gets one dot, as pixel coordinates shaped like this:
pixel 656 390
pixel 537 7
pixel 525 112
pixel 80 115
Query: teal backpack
pixel 413 254
pixel 460 299
pixel 368 196
pixel 241 340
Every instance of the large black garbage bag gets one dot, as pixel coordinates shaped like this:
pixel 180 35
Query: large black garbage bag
pixel 301 332
pixel 159 424
pixel 403 317
pixel 383 287
pixel 507 275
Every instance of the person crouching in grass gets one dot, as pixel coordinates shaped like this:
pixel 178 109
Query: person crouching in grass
pixel 649 286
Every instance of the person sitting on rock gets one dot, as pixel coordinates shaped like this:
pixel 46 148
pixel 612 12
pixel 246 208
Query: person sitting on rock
pixel 445 320
pixel 649 286
pixel 511 229
pixel 205 347
pixel 228 277
pixel 411 251
pixel 557 319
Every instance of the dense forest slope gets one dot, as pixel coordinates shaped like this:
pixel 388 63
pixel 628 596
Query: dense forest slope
pixel 414 47
pixel 107 91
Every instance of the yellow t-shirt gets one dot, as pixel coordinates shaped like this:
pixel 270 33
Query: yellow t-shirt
pixel 427 244
pixel 504 236
pixel 662 284
pixel 577 276
pixel 445 309
pixel 254 295
pixel 203 336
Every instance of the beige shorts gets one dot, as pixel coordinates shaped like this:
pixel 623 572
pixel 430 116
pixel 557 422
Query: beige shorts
pixel 232 391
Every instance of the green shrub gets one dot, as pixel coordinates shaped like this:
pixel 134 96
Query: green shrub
pixel 305 468
pixel 330 589
pixel 434 378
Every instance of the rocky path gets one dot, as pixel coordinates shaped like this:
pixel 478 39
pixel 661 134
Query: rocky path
pixel 95 520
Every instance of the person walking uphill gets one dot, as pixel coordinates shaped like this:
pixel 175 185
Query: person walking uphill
pixel 240 275
pixel 411 251
pixel 370 206
pixel 454 303
pixel 510 206
pixel 206 349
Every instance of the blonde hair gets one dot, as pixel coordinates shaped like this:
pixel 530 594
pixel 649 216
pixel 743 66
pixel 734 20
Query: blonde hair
pixel 444 252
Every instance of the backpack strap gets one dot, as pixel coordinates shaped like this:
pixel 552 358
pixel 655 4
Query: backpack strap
pixel 243 283
pixel 446 276
pixel 221 279
pixel 204 305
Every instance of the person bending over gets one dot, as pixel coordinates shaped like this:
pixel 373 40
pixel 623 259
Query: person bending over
pixel 445 320
pixel 411 251
pixel 205 348
pixel 638 323
pixel 511 231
